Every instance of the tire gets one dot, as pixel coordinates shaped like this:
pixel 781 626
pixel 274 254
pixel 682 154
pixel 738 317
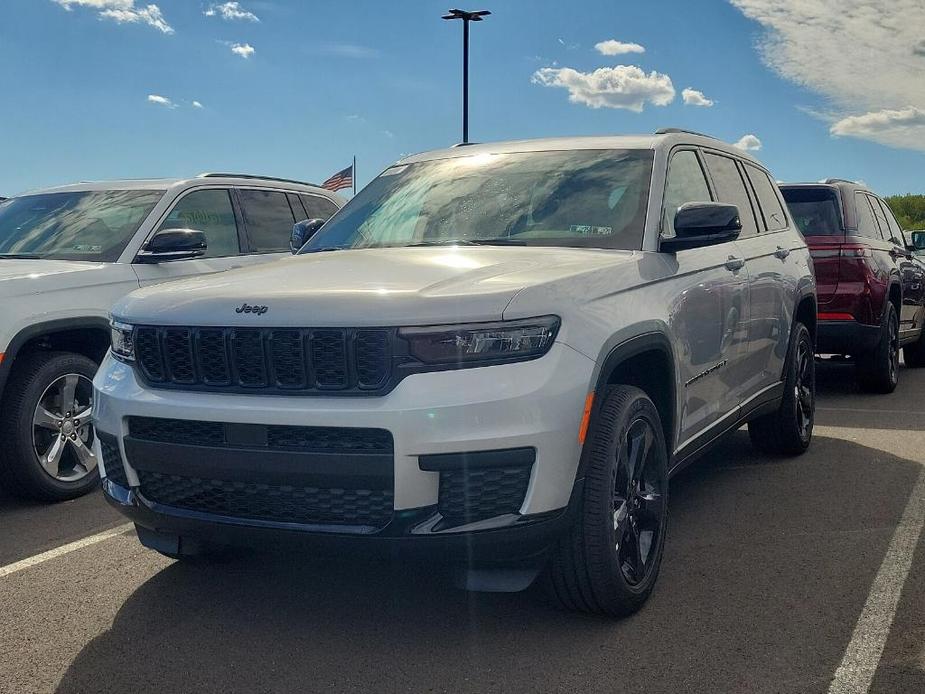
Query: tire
pixel 789 430
pixel 600 565
pixel 878 371
pixel 42 379
pixel 914 354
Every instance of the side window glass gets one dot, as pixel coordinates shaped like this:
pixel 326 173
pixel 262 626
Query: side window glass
pixel 895 231
pixel 768 200
pixel 269 219
pixel 686 183
pixel 298 211
pixel 867 225
pixel 210 212
pixel 880 217
pixel 730 188
pixel 318 207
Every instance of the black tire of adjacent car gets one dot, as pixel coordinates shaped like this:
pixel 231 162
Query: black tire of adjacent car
pixel 789 430
pixel 878 371
pixel 21 473
pixel 914 354
pixel 586 572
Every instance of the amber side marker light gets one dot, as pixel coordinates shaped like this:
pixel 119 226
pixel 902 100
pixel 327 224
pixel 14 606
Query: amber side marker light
pixel 585 418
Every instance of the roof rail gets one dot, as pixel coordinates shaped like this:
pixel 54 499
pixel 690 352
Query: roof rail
pixel 465 144
pixel 671 131
pixel 219 174
pixel 841 180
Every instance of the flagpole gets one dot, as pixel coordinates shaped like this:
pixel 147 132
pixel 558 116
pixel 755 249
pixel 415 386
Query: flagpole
pixel 354 177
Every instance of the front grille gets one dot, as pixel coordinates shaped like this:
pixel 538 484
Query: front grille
pixel 346 360
pixel 308 439
pixel 112 459
pixel 287 504
pixel 471 495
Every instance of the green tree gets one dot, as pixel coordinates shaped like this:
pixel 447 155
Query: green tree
pixel 909 210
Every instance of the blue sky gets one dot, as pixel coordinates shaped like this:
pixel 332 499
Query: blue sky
pixel 313 83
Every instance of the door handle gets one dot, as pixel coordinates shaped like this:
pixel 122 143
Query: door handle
pixel 781 252
pixel 733 263
pixel 897 253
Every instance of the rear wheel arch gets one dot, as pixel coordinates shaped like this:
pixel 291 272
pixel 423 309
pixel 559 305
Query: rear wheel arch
pixel 806 313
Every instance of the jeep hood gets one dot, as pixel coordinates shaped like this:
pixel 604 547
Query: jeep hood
pixel 21 277
pixel 367 287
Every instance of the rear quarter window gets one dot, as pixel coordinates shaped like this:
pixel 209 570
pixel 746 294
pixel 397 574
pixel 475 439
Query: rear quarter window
pixel 775 218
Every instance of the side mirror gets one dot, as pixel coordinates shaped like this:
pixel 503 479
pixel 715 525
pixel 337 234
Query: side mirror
pixel 173 244
pixel 698 224
pixel 302 232
pixel 918 240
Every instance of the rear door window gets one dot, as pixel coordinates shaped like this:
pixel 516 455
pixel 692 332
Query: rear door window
pixel 730 188
pixel 775 218
pixel 268 219
pixel 895 231
pixel 686 183
pixel 209 211
pixel 815 210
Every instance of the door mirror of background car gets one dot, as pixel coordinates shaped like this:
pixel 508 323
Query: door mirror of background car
pixel 302 232
pixel 173 244
pixel 698 224
pixel 918 241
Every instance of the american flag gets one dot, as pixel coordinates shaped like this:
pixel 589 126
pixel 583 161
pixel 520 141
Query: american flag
pixel 342 179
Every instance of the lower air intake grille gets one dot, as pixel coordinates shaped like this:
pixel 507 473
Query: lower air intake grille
pixel 471 495
pixel 305 505
pixel 112 459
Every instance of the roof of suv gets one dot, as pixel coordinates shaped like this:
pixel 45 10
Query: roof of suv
pixel 833 183
pixel 664 139
pixel 165 183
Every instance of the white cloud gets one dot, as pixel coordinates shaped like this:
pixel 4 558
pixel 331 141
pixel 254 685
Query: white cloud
pixel 693 97
pixel 749 143
pixel 897 127
pixel 245 50
pixel 623 86
pixel 230 11
pixel 160 100
pixel 862 58
pixel 197 104
pixel 614 47
pixel 346 50
pixel 388 133
pixel 123 12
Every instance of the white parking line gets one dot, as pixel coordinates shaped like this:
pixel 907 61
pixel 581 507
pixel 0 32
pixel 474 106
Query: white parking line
pixel 63 549
pixel 856 672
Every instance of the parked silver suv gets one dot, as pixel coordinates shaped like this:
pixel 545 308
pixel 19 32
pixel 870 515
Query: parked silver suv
pixel 499 352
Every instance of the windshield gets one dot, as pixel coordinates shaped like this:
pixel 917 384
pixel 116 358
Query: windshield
pixel 85 225
pixel 815 210
pixel 579 198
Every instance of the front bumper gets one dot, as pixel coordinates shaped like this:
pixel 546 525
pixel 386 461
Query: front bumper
pixel 535 405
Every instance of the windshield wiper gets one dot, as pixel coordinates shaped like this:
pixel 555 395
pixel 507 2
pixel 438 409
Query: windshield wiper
pixel 502 241
pixel 20 256
pixel 324 249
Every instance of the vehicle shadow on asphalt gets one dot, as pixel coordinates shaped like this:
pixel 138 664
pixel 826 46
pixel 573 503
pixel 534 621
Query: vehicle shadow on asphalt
pixel 767 567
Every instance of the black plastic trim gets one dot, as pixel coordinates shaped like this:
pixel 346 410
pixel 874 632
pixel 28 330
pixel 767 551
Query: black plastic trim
pixel 476 460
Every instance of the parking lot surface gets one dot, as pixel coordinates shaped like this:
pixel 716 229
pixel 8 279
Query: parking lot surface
pixel 780 575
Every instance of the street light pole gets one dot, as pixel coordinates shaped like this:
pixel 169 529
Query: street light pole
pixel 466 17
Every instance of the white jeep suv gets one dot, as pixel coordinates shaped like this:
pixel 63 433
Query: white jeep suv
pixel 499 353
pixel 67 254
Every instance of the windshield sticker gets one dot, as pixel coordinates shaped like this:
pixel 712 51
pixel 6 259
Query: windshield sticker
pixel 394 170
pixel 590 230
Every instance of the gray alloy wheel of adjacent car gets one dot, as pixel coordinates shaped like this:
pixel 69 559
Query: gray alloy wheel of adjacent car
pixel 49 452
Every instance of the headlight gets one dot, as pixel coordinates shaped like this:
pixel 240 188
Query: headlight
pixel 122 342
pixel 504 341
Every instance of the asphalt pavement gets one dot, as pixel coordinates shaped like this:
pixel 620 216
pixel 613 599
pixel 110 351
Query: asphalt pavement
pixel 780 575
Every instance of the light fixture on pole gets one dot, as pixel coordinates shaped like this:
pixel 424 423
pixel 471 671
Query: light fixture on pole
pixel 466 17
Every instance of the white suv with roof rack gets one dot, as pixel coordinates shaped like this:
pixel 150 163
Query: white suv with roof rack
pixel 68 253
pixel 495 354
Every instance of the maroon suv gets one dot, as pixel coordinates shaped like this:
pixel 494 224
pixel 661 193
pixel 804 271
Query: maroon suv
pixel 869 284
